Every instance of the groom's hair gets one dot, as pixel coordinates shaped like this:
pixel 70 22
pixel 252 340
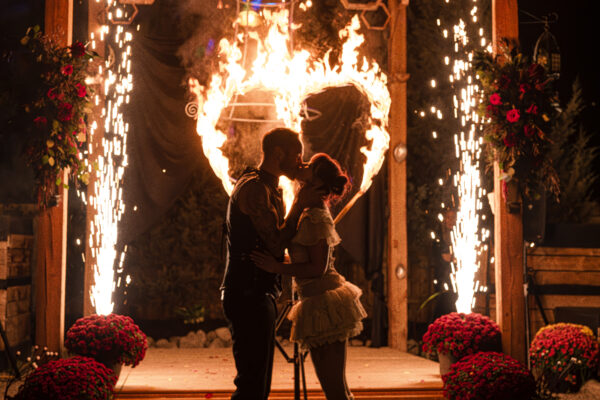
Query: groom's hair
pixel 284 138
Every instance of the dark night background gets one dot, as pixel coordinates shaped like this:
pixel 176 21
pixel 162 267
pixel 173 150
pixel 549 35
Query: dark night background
pixel 576 32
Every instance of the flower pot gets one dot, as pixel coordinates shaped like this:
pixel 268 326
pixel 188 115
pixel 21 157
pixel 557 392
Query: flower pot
pixel 556 382
pixel 116 369
pixel 108 362
pixel 446 360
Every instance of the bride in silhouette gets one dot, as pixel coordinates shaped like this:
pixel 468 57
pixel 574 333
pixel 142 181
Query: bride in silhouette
pixel 329 310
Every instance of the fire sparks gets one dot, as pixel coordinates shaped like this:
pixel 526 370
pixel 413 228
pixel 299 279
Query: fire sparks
pixel 466 235
pixel 110 161
pixel 290 77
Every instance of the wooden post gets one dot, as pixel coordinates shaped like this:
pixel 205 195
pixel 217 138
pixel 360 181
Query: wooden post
pixel 51 247
pixel 508 228
pixel 397 243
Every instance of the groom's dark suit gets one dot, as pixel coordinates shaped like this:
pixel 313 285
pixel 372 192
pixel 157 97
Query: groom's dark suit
pixel 255 214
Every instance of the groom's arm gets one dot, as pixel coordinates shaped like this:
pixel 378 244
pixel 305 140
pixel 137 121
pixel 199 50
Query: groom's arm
pixel 254 201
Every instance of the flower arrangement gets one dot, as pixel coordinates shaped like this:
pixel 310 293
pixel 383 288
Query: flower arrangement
pixel 110 339
pixel 518 102
pixel 57 111
pixel 564 355
pixel 488 376
pixel 460 334
pixel 76 378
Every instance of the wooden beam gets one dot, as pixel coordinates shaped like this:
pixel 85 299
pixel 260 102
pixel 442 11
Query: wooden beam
pixel 397 243
pixel 51 244
pixel 510 295
pixel 508 228
pixel 505 21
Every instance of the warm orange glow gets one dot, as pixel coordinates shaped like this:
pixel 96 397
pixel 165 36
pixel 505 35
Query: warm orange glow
pixel 291 77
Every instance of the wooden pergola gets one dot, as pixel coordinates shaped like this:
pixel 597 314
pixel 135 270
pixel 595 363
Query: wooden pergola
pixel 510 305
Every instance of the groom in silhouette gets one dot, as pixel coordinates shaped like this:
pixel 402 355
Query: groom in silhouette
pixel 256 221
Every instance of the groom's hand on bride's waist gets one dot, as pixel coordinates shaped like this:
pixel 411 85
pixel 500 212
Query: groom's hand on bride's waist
pixel 265 261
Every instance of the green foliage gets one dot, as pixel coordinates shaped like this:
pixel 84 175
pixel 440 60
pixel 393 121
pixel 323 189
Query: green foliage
pixel 574 160
pixel 319 27
pixel 202 25
pixel 191 315
pixel 178 262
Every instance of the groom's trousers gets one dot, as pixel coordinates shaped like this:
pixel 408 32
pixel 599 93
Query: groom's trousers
pixel 251 320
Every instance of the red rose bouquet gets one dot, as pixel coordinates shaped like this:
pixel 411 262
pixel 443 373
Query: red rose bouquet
pixel 57 110
pixel 461 334
pixel 76 378
pixel 563 356
pixel 518 105
pixel 488 376
pixel 110 339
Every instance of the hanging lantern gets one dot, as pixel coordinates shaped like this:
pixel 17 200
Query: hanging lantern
pixel 120 13
pixel 547 53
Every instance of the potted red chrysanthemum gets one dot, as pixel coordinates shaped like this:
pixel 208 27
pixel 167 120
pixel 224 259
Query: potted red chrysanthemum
pixel 455 335
pixel 488 376
pixel 113 340
pixel 563 356
pixel 76 378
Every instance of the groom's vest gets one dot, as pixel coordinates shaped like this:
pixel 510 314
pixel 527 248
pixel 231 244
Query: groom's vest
pixel 242 277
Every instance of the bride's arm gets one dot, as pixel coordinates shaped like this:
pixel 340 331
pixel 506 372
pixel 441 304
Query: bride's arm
pixel 315 267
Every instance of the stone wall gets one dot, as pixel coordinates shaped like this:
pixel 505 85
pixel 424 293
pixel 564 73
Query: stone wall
pixel 15 289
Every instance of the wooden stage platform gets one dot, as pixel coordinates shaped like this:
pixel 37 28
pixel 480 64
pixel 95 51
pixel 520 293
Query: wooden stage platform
pixel 373 373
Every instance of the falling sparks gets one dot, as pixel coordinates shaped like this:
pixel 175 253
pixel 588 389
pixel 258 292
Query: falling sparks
pixel 111 158
pixel 290 77
pixel 466 235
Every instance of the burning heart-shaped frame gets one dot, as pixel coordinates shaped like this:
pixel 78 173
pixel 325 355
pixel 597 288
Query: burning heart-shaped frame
pixel 291 77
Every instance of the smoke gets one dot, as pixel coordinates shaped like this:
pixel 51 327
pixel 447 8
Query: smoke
pixel 204 24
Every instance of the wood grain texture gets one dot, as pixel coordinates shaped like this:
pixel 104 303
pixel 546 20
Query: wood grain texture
pixel 542 277
pixel 563 251
pixel 397 240
pixel 50 266
pixel 508 228
pixel 372 373
pixel 48 278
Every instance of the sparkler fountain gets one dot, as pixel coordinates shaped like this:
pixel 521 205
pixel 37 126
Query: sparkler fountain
pixel 466 237
pixel 108 139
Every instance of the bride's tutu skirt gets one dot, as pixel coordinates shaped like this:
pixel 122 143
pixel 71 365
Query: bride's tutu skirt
pixel 327 316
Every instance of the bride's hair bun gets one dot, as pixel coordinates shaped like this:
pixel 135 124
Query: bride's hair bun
pixel 338 185
pixel 335 180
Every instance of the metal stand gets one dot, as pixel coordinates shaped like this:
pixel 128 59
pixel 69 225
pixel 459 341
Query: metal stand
pixel 526 290
pixel 297 357
pixel 11 359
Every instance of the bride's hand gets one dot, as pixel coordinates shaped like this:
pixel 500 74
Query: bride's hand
pixel 265 261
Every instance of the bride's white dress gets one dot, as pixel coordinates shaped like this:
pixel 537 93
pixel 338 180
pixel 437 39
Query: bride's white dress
pixel 329 309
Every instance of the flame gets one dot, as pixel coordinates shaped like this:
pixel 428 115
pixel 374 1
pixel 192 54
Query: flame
pixel 291 77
